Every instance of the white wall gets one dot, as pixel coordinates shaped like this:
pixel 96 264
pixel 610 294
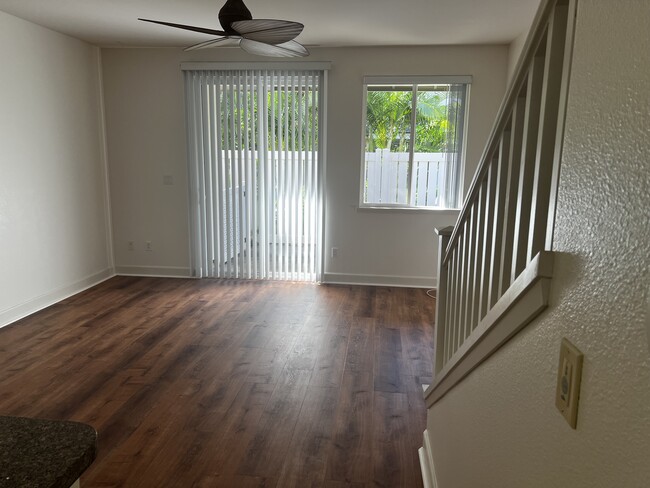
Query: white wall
pixel 53 232
pixel 514 51
pixel 499 427
pixel 146 140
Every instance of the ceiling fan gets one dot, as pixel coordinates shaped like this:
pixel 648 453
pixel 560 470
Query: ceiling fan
pixel 264 37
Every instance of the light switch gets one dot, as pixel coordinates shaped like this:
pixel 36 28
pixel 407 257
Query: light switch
pixel 568 382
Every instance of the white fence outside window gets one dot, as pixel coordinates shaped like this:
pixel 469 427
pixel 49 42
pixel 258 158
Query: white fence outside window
pixel 387 178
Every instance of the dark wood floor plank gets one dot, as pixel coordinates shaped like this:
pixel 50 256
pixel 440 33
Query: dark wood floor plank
pixel 361 346
pixel 231 383
pixel 350 458
pixel 228 445
pixel 232 481
pixel 330 359
pixel 266 451
pixel 271 362
pixel 342 484
pixel 389 363
pixel 392 458
pixel 306 455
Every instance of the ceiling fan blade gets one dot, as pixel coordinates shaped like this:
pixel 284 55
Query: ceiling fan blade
pixel 269 31
pixel 296 48
pixel 205 44
pixel 285 50
pixel 202 30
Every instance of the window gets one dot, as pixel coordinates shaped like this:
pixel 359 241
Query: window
pixel 413 141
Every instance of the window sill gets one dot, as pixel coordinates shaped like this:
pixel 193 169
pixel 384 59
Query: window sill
pixel 430 210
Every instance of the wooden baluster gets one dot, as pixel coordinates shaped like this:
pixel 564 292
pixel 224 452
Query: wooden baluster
pixel 483 217
pixel 516 138
pixel 442 323
pixel 464 288
pixel 526 172
pixel 559 132
pixel 469 305
pixel 476 288
pixel 454 299
pixel 458 293
pixel 555 41
pixel 487 238
pixel 499 214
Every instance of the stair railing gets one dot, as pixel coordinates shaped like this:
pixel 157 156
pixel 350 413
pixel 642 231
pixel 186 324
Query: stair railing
pixel 495 264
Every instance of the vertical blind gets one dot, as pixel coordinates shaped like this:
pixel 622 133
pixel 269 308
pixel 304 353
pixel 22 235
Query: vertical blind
pixel 255 173
pixel 456 109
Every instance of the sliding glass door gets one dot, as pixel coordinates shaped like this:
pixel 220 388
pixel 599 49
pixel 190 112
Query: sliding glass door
pixel 255 173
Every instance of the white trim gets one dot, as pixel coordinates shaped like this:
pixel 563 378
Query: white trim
pixel 427 467
pixel 362 144
pixel 154 271
pixel 194 269
pixel 526 298
pixel 379 280
pixel 33 305
pixel 418 80
pixel 460 184
pixel 290 65
pixel 103 156
pixel 366 207
pixel 322 166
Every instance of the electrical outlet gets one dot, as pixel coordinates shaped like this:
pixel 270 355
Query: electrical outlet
pixel 130 245
pixel 569 375
pixel 147 246
pixel 335 252
pixel 168 180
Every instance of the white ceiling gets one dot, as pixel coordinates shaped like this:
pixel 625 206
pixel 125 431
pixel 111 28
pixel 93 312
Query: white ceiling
pixel 327 22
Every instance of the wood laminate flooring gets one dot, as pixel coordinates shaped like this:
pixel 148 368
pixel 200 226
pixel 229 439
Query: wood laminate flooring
pixel 223 383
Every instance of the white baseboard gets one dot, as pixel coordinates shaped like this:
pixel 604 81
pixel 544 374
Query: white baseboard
pixel 426 463
pixel 380 280
pixel 154 271
pixel 39 303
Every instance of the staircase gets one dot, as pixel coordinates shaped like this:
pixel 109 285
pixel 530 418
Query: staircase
pixel 495 265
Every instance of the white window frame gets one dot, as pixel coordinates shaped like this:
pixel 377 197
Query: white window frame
pixel 413 80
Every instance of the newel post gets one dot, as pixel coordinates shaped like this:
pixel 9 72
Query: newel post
pixel 444 235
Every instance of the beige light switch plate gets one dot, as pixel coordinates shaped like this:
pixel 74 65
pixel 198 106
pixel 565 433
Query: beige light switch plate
pixel 569 375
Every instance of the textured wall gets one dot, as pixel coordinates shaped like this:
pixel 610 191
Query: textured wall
pixel 499 428
pixel 53 214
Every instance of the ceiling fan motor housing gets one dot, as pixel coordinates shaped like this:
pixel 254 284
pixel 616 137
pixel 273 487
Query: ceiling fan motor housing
pixel 233 11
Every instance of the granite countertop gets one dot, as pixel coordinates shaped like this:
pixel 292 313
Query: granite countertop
pixel 37 453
